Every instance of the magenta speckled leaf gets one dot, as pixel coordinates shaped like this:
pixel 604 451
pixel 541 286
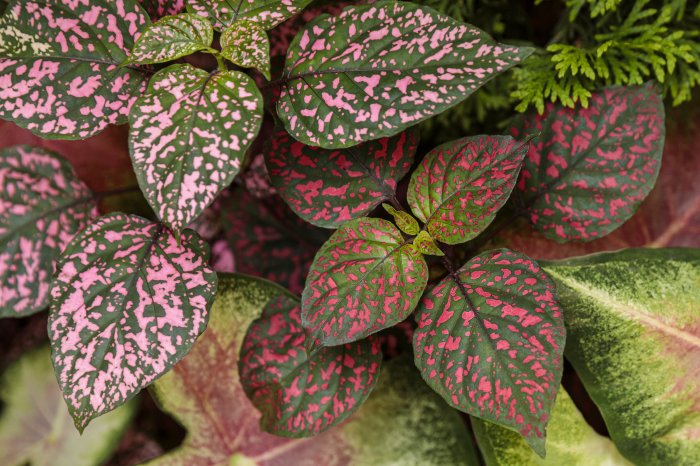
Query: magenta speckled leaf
pixel 170 38
pixel 365 278
pixel 128 302
pixel 377 69
pixel 188 136
pixel 461 185
pixel 301 395
pixel 42 205
pixel 246 44
pixel 329 187
pixel 591 168
pixel 490 341
pixel 266 13
pixel 159 8
pixel 59 65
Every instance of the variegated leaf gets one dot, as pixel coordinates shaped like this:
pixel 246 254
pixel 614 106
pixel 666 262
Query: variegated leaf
pixel 298 394
pixel 160 8
pixel 266 13
pixel 188 136
pixel 461 185
pixel 403 220
pixel 589 170
pixel 426 245
pixel 330 187
pixel 374 70
pixel 170 38
pixel 59 65
pixel 42 205
pixel 634 339
pixel 490 340
pixel 246 44
pixel 129 300
pixel 365 278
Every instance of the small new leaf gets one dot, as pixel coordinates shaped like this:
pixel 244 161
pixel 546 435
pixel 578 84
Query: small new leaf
pixel 246 44
pixel 404 220
pixel 425 244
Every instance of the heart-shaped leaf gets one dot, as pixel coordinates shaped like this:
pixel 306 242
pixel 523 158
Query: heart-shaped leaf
pixel 365 278
pixel 59 61
pixel 188 136
pixel 330 187
pixel 42 205
pixel 490 339
pixel 129 300
pixel 634 339
pixel 374 70
pixel 266 13
pixel 301 395
pixel 246 44
pixel 461 185
pixel 159 8
pixel 591 168
pixel 171 38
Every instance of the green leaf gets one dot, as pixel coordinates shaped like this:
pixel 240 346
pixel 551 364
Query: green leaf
pixel 425 244
pixel 266 13
pixel 490 339
pixel 189 134
pixel 461 185
pixel 571 442
pixel 402 422
pixel 365 278
pixel 377 69
pixel 634 339
pixel 246 44
pixel 171 38
pixel 404 220
pixel 35 427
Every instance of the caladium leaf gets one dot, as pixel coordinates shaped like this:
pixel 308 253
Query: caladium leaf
pixel 204 393
pixel 461 185
pixel 571 441
pixel 35 427
pixel 301 394
pixel 490 339
pixel 129 300
pixel 374 70
pixel 330 187
pixel 403 220
pixel 266 13
pixel 425 244
pixel 42 205
pixel 365 278
pixel 170 38
pixel 159 8
pixel 188 136
pixel 59 63
pixel 590 168
pixel 246 44
pixel 634 339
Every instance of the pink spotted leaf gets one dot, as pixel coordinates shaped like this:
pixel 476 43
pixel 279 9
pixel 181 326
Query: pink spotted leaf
pixel 128 302
pixel 170 38
pixel 329 187
pixel 59 63
pixel 365 278
pixel 374 70
pixel 160 8
pixel 246 44
pixel 460 186
pixel 591 168
pixel 42 205
pixel 266 13
pixel 301 395
pixel 490 341
pixel 188 137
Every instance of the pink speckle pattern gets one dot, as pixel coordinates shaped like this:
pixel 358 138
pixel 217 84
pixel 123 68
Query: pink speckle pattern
pixel 42 205
pixel 266 13
pixel 246 44
pixel 128 302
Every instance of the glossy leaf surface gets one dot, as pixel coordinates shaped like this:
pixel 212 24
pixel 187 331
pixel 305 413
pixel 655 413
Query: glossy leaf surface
pixel 329 187
pixel 35 427
pixel 246 44
pixel 59 62
pixel 490 341
pixel 634 339
pixel 172 37
pixel 42 205
pixel 266 13
pixel 129 300
pixel 589 170
pixel 188 136
pixel 301 395
pixel 461 185
pixel 375 70
pixel 365 278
